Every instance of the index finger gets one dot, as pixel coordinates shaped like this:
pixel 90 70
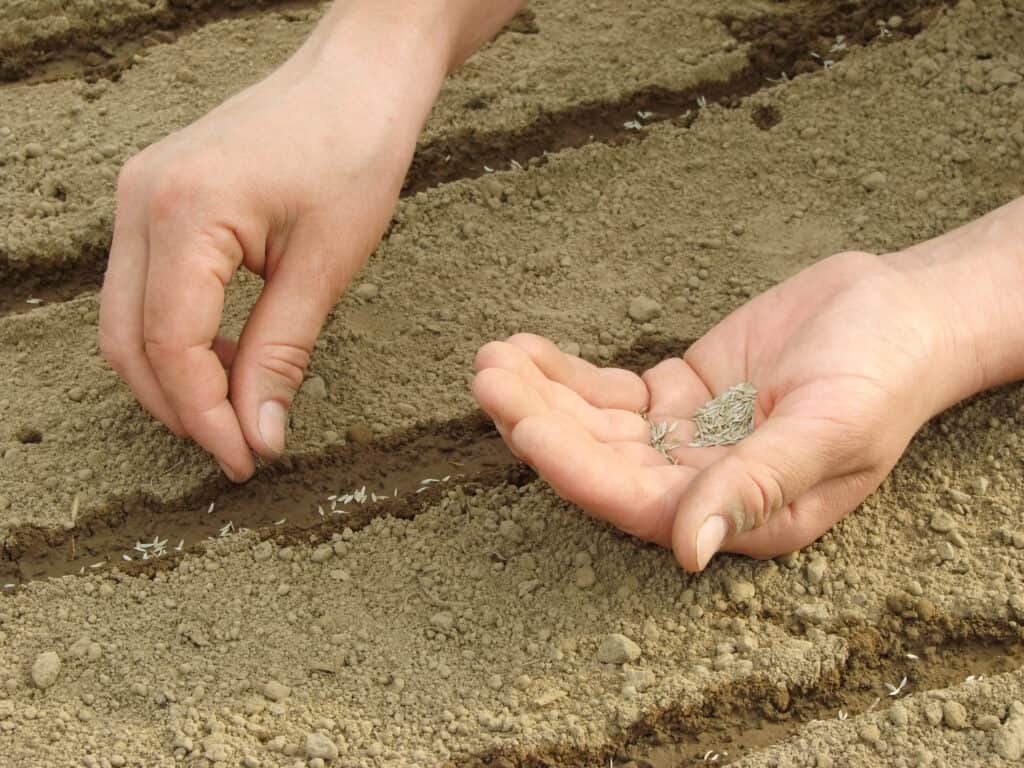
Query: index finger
pixel 184 303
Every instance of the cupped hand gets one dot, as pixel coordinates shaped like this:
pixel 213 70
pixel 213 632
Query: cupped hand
pixel 294 178
pixel 847 358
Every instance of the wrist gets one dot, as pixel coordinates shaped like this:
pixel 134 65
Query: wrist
pixel 972 279
pixel 400 50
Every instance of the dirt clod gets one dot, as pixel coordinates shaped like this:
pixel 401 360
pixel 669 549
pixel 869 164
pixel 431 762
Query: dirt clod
pixel 46 669
pixel 617 649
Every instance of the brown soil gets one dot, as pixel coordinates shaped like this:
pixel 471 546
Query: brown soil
pixel 448 627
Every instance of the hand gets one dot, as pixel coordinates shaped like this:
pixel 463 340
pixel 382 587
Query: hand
pixel 294 178
pixel 843 356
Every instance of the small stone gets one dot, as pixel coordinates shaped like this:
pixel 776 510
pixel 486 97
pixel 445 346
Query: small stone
pixel 367 291
pixel 494 682
pixel 276 691
pixel 816 570
pixel 942 522
pixel 869 733
pixel 945 551
pixel 979 485
pixel 322 553
pixel 1000 76
pixel 186 75
pixel 75 394
pixel 925 609
pixel 511 530
pixel 741 591
pixel 986 723
pixel 250 761
pixel 35 149
pixel 45 669
pixel 643 309
pixel 29 436
pixel 319 746
pixel 954 715
pixel 360 434
pixel 874 181
pixel 585 577
pixel 617 649
pixel 443 619
pixel 263 551
pixel 898 715
pixel 314 388
pixel 1017 539
pixel 959 496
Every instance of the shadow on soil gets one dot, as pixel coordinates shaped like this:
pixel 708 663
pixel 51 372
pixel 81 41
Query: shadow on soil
pixel 782 45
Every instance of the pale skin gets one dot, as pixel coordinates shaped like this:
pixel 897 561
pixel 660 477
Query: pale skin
pixel 296 178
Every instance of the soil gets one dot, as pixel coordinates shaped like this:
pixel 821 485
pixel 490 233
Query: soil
pixel 458 622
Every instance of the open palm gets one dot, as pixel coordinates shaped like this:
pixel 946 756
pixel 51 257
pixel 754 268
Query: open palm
pixel 837 354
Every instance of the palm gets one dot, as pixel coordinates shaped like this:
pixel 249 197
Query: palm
pixel 829 374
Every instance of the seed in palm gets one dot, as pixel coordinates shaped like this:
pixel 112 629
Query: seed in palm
pixel 660 432
pixel 727 419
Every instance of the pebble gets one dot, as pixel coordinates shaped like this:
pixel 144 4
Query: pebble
pixel 643 309
pixel 979 485
pixel 898 715
pixel 741 591
pixel 585 577
pixel 75 394
pixel 35 149
pixel 314 387
pixel 942 522
pixel 186 75
pixel 29 435
pixel 45 669
pixel 511 531
pixel 954 715
pixel 959 496
pixel 874 181
pixel 367 291
pixel 263 551
pixel 1000 76
pixel 945 551
pixel 322 553
pixel 443 619
pixel 276 691
pixel 617 649
pixel 869 733
pixel 816 570
pixel 360 434
pixel 319 746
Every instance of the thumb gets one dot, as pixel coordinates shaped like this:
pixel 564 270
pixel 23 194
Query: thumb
pixel 755 486
pixel 274 350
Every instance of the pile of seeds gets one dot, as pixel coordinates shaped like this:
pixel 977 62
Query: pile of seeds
pixel 727 419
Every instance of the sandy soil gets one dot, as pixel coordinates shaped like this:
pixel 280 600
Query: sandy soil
pixel 465 624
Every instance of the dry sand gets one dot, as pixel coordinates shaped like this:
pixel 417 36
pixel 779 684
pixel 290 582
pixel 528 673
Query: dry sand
pixel 466 624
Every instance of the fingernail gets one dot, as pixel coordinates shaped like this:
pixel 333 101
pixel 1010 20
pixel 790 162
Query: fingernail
pixel 709 539
pixel 271 424
pixel 227 471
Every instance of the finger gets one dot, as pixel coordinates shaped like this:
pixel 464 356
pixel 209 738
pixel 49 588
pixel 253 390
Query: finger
pixel 184 301
pixel 508 398
pixel 676 390
pixel 808 518
pixel 601 387
pixel 122 300
pixel 277 342
pixel 756 480
pixel 639 500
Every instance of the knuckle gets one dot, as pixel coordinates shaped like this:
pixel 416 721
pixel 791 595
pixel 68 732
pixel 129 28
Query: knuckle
pixel 762 494
pixel 285 361
pixel 171 192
